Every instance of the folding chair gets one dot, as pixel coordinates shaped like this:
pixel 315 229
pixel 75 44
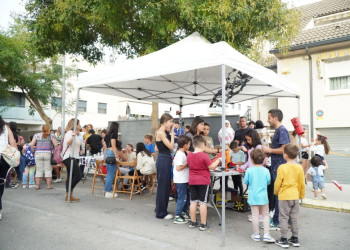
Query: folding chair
pixel 150 182
pixel 134 178
pixel 98 174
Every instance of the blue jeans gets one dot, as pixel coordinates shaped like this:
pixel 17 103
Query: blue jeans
pixel 277 211
pixel 183 198
pixel 111 169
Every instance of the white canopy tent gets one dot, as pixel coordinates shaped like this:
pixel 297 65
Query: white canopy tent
pixel 188 72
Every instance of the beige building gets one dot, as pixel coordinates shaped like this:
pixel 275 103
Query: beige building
pixel 319 63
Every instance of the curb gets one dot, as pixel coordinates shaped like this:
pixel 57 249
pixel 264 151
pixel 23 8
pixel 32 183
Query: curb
pixel 326 205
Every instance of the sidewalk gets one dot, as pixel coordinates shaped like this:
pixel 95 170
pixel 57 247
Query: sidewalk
pixel 336 200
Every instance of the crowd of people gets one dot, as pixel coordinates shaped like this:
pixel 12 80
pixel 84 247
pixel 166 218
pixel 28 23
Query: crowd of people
pixel 184 158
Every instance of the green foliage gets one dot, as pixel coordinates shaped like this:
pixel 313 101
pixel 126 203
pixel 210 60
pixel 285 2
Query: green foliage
pixel 22 67
pixel 138 27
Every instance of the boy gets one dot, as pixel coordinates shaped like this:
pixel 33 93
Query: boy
pixel 199 181
pixel 148 143
pixel 187 128
pixel 289 187
pixel 180 178
pixel 279 140
pixel 238 157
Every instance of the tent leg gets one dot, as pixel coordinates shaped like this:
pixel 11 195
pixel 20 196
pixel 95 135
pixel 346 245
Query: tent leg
pixel 223 147
pixel 180 116
pixel 73 143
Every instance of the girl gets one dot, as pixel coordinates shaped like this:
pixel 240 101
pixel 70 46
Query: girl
pixel 130 152
pixel 316 171
pixel 43 150
pixel 145 164
pixel 257 178
pixel 305 146
pixel 253 141
pixel 68 157
pixel 30 168
pixel 165 143
pixel 206 130
pixel 320 147
pixel 112 148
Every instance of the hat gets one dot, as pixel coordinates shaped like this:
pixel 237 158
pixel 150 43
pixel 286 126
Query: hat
pixel 227 121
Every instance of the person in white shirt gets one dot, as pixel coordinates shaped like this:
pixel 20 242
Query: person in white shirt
pixel 181 177
pixel 316 171
pixel 305 147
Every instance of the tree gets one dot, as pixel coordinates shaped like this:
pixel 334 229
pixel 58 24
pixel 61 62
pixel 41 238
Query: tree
pixel 138 27
pixel 21 66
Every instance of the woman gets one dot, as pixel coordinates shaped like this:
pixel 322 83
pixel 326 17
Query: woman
pixel 6 138
pixel 112 148
pixel 165 143
pixel 87 130
pixel 43 143
pixel 197 128
pixel 263 133
pixel 68 157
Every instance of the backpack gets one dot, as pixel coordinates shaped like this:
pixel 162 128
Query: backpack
pixel 11 155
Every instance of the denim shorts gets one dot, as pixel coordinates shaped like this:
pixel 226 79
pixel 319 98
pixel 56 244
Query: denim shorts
pixel 318 184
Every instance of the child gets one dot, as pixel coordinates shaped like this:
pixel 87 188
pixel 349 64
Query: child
pixel 320 147
pixel 145 164
pixel 305 149
pixel 253 141
pixel 199 181
pixel 30 168
pixel 238 157
pixel 148 144
pixel 187 128
pixel 257 178
pixel 316 171
pixel 181 176
pixel 289 187
pixel 131 155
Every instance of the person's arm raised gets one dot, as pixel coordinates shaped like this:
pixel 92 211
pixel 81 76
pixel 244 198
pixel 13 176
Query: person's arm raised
pixel 11 138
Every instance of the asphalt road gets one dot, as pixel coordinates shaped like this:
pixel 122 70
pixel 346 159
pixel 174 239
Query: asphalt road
pixel 42 220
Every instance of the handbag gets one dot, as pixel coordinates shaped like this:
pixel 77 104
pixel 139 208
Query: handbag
pixel 111 160
pixel 57 156
pixel 11 155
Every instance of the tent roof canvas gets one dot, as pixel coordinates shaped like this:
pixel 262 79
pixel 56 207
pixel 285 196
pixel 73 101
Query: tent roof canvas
pixel 168 74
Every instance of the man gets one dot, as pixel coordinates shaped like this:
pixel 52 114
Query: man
pixel 243 128
pixel 95 142
pixel 178 131
pixel 278 142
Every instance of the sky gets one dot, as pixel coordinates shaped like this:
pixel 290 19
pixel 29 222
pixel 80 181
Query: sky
pixel 17 6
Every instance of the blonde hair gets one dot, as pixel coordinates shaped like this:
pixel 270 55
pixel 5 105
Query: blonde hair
pixel 70 125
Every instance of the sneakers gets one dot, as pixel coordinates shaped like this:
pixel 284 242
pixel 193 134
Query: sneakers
pixel 11 185
pixel 0 215
pixel 143 188
pixel 171 198
pixel 179 220
pixel 110 195
pixel 274 227
pixel 268 238
pixel 255 237
pixel 282 243
pixel 168 217
pixel 24 186
pixel 324 196
pixel 203 227
pixel 294 241
pixel 186 216
pixel 58 180
pixel 193 224
pixel 32 186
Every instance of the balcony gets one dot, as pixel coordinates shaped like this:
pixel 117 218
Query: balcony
pixel 21 115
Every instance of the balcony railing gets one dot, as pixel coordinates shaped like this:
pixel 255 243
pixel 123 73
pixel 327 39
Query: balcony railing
pixel 21 113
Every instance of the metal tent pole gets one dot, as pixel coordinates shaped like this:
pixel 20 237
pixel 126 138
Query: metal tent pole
pixel 180 116
pixel 223 147
pixel 73 144
pixel 63 97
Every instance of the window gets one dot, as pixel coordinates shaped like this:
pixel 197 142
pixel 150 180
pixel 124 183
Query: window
pixel 102 108
pixel 82 106
pixel 339 83
pixel 239 106
pixel 56 102
pixel 14 99
pixel 233 106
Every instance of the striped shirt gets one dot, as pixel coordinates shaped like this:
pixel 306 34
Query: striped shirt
pixel 43 145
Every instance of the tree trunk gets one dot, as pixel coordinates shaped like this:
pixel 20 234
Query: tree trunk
pixel 154 117
pixel 37 106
